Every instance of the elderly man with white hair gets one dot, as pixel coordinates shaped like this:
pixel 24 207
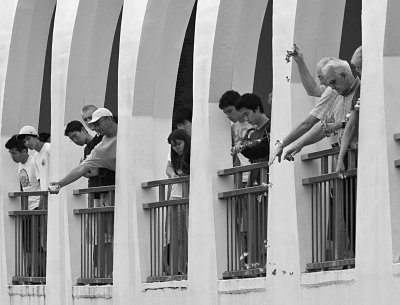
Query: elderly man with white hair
pixel 103 155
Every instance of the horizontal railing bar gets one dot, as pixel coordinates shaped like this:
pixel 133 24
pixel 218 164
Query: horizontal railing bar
pixel 165 203
pixel 241 169
pixel 95 280
pixel 326 177
pixel 331 264
pixel 27 212
pixel 396 136
pixel 155 183
pixel 244 273
pixel 166 278
pixel 243 191
pixel 25 194
pixel 320 154
pixel 97 189
pixel 94 210
pixel 397 163
pixel 32 279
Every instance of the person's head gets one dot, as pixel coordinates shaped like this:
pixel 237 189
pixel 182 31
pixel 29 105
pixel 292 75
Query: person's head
pixel 319 66
pixel 86 114
pixel 77 133
pixel 29 136
pixel 180 150
pixel 356 60
pixel 227 105
pixel 182 119
pixel 18 151
pixel 250 106
pixel 338 75
pixel 103 122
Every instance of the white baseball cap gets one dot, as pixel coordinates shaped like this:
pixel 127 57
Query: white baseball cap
pixel 27 131
pixel 99 113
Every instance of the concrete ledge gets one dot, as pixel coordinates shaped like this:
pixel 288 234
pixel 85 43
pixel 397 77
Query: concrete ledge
pixel 27 290
pixel 241 286
pixel 165 285
pixel 327 278
pixel 396 269
pixel 92 292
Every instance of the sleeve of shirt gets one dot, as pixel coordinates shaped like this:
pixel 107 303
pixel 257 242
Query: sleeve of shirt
pixel 324 104
pixel 92 161
pixel 257 150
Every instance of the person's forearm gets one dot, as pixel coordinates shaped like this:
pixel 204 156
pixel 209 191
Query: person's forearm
pixel 299 131
pixel 309 83
pixel 348 134
pixel 170 171
pixel 73 175
pixel 315 135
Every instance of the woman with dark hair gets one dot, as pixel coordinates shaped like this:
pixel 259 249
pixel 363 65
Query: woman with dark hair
pixel 180 152
pixel 177 216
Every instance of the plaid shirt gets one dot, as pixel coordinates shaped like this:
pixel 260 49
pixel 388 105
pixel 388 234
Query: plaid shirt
pixel 324 104
pixel 341 108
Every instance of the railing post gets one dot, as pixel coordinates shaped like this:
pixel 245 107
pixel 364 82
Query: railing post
pixel 339 226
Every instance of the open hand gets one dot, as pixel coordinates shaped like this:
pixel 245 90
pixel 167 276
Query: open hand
pixel 291 152
pixel 276 153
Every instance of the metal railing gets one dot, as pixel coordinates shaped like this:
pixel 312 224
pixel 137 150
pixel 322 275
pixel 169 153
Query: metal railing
pixel 247 222
pixel 333 212
pixel 97 236
pixel 30 239
pixel 168 231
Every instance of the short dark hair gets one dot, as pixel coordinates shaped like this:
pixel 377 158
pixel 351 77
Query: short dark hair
pixel 73 126
pixel 250 101
pixel 14 142
pixel 181 115
pixel 229 98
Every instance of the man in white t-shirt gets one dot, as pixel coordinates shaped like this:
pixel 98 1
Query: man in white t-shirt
pixel 27 170
pixel 31 139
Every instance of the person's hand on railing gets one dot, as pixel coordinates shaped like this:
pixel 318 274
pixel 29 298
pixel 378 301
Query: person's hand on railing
pixel 54 188
pixel 291 152
pixel 340 168
pixel 276 153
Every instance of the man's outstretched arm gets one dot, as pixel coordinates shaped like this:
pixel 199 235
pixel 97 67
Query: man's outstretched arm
pixel 72 176
pixel 295 134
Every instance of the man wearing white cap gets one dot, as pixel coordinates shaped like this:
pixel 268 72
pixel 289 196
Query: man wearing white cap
pixel 103 155
pixel 31 139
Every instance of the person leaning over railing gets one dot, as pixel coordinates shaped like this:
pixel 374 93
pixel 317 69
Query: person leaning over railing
pixel 339 76
pixel 103 155
pixel 239 127
pixel 27 170
pixel 351 130
pixel 325 103
pixel 255 144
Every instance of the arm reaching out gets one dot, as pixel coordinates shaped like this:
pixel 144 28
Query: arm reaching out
pixel 72 176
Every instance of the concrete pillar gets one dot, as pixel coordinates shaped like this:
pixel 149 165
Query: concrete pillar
pixel 127 269
pixel 283 268
pixel 373 240
pixel 59 281
pixel 202 269
pixel 7 14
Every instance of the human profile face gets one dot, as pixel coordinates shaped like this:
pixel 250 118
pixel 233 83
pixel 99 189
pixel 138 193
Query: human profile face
pixel 232 114
pixel 17 156
pixel 101 126
pixel 78 137
pixel 87 117
pixel 30 142
pixel 339 82
pixel 185 125
pixel 249 115
pixel 178 146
